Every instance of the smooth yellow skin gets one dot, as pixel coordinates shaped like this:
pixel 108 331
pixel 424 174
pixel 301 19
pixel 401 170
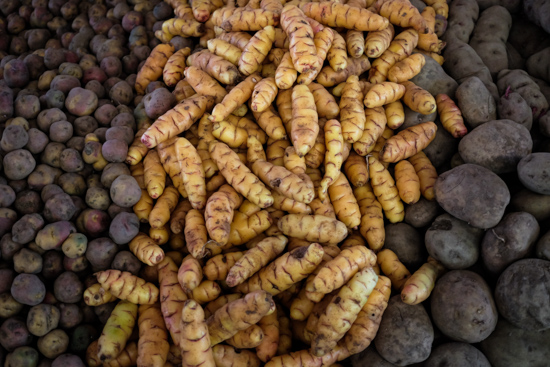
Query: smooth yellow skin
pixel 285 271
pixel 251 127
pixel 333 157
pixel 300 35
pixel 195 340
pixel 304 124
pixel 146 250
pixel 239 176
pixel 344 202
pixel 284 107
pixel 374 128
pixel 355 41
pixel 418 99
pixel 269 70
pixel 204 84
pixel 270 327
pixel 217 67
pixel 176 120
pixel 247 338
pixel 341 269
pixel 334 14
pixel 426 173
pixel 313 228
pixel 450 116
pixel 236 97
pixel 419 286
pixel 342 311
pixel 154 174
pixel 230 134
pixel 239 315
pixel 227 356
pixel 441 7
pixel 401 47
pixel 264 94
pixel 326 104
pixel 385 190
pixel 365 327
pixel 248 208
pixel 393 268
pixel 354 239
pixel 356 169
pixel 255 259
pixel 337 54
pixel 195 233
pixel 171 297
pixel 192 172
pixel 256 50
pixel 377 42
pixel 143 207
pixel 407 182
pixel 225 49
pixel 117 330
pixel 153 67
pixel 395 115
pixel 408 142
pixel 95 295
pixel 153 343
pixel 173 70
pixel 128 287
pixel 407 68
pixel 275 151
pixel 301 306
pixel 383 93
pixel 217 267
pixel 203 8
pixel 372 217
pixel 137 150
pixel 352 112
pixel 205 292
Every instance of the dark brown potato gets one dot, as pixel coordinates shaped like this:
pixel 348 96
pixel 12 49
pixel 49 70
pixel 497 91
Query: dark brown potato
pixel 27 106
pixel 124 119
pixel 52 264
pixel 71 315
pixel 96 87
pixel 26 228
pixel 42 176
pixel 16 73
pixel 457 355
pixel 13 137
pixel 28 289
pixel 68 288
pixel 14 334
pixel 6 103
pixel 105 114
pixel 7 218
pixel 76 265
pixel 81 337
pixel 124 133
pixel 59 208
pixel 66 360
pixel 71 161
pixel 77 143
pixel 126 261
pixel 112 171
pixel 104 311
pixel 158 102
pixel 22 356
pixel 27 261
pixel 28 202
pixel 7 196
pixel 94 73
pixel 98 198
pixel 6 277
pixel 114 151
pixel 9 247
pixel 18 164
pixel 121 93
pixel 61 131
pixel 37 141
pixel 407 244
pixel 42 319
pixel 112 66
pixel 81 102
pixel 100 253
pixel 52 154
pixel 49 191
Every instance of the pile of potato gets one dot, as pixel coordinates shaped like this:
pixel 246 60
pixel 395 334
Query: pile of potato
pixel 278 183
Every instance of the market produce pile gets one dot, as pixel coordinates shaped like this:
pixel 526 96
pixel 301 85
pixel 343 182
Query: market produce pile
pixel 270 183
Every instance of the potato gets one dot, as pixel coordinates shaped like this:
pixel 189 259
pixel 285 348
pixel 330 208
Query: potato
pixel 124 119
pixel 520 82
pixel 96 87
pixel 126 261
pixel 52 153
pixel 71 315
pixel 53 344
pixel 28 289
pixel 124 133
pixel 18 164
pixel 9 307
pixel 406 333
pixel 543 247
pixel 43 175
pixel 6 277
pixel 73 183
pixel 114 151
pixel 68 288
pixel 463 307
pixel 52 236
pixel 16 73
pixel 124 227
pixel 27 106
pixel 125 191
pixel 112 171
pixel 52 264
pixel 77 143
pixel 71 160
pixel 9 247
pixel 93 222
pixel 121 93
pixel 37 141
pixel 64 83
pixel 463 192
pixel 59 208
pixel 100 253
pixel 158 102
pixel 521 294
pixel 47 117
pixel 497 145
pixel 442 147
pixel 42 319
pixel 28 202
pixel 533 171
pixel 81 102
pixel 98 198
pixel 7 196
pixel 61 131
pixel 434 79
pixel 6 103
pixel 475 102
pixel 68 360
pixel 104 311
pixel 453 242
pixel 406 242
pixel 26 228
pixel 81 337
pixel 369 358
pixel 7 218
pixel 13 137
pixel 532 203
pixel 27 261
pixel 14 334
pixel 512 106
pixel 456 355
pixel 76 265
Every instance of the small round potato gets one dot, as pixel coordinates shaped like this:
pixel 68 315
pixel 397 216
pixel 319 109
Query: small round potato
pixel 28 289
pixel 42 319
pixel 68 288
pixel 125 191
pixel 457 355
pixel 53 344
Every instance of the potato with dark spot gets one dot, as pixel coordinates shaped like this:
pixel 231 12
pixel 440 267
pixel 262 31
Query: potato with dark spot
pixel 54 99
pixel 93 222
pixel 52 153
pixel 462 306
pixel 52 264
pixel 16 73
pixel 59 208
pixel 101 252
pixel 98 198
pixel 53 235
pixel 14 334
pixel 105 114
pixel 8 247
pixel 522 294
pixel 28 289
pixel 85 125
pixel 27 261
pixel 124 133
pixel 27 106
pixel 7 196
pixel 42 176
pixel 49 191
pixel 112 171
pixel 124 119
pixel 61 131
pixel 456 355
pixel 512 239
pixel 71 315
pixel 26 228
pixel 75 245
pixel 453 242
pixel 46 118
pixel 42 319
pixel 406 333
pixel 37 141
pixel 71 161
pixel 76 265
pixel 534 171
pixel 22 357
pixel 18 164
pixel 68 288
pixel 9 307
pixel 407 244
pixel 81 102
pixel 124 227
pixel 125 191
pixel 53 344
pixel 7 218
pixel 73 183
pixel 126 261
pixel 112 66
pixel 121 93
pixel 96 87
pixel 13 137
pixel 54 57
pixel 158 102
